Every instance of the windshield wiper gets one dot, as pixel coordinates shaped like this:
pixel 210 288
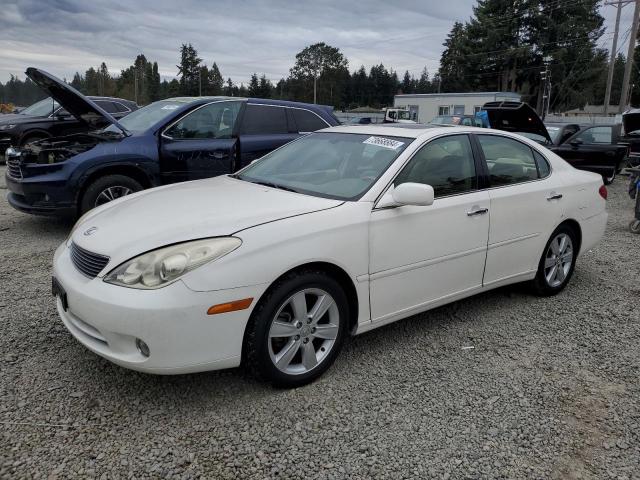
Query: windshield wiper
pixel 270 184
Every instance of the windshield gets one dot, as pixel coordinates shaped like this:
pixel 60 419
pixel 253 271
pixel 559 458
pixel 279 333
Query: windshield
pixel 332 165
pixel 445 120
pixel 43 108
pixel 146 117
pixel 403 115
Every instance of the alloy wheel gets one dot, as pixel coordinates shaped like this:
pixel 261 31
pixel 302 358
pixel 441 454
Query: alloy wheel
pixel 303 331
pixel 111 193
pixel 558 260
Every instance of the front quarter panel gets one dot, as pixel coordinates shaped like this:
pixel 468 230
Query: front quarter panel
pixel 337 235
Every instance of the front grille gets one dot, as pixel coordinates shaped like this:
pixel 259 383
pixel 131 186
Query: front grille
pixel 13 168
pixel 89 263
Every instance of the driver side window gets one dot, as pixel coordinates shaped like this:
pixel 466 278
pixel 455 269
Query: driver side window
pixel 215 120
pixel 596 135
pixel 445 163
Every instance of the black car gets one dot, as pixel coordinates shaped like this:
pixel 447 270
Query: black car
pixel 47 118
pixel 171 140
pixel 594 148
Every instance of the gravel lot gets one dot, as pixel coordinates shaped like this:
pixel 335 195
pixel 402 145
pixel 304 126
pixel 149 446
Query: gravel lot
pixel 550 388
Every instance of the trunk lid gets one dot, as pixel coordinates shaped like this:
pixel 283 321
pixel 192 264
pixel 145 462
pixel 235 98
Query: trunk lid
pixel 515 117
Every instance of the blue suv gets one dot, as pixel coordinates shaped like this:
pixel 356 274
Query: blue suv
pixel 169 141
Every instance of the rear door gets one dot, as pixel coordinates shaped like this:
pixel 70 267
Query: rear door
pixel 200 144
pixel 526 205
pixel 263 128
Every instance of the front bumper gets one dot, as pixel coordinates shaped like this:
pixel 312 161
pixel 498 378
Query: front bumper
pixel 39 198
pixel 172 321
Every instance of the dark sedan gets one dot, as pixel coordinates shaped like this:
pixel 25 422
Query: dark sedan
pixel 168 141
pixel 47 118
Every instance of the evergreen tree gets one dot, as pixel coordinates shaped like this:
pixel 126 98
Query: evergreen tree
pixel 188 70
pixel 254 86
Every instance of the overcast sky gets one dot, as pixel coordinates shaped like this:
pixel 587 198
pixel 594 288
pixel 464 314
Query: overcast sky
pixel 241 36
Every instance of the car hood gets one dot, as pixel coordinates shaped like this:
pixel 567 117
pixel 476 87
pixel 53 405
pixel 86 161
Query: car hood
pixel 18 119
pixel 81 107
pixel 631 120
pixel 515 117
pixel 186 211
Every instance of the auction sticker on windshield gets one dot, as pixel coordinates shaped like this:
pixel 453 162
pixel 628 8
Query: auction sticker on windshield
pixel 384 142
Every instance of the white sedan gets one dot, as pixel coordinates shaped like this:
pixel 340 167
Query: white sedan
pixel 332 235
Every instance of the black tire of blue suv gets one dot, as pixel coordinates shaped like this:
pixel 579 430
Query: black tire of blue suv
pixel 114 186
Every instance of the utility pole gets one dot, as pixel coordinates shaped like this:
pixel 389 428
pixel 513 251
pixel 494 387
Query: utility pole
pixel 545 89
pixel 199 82
pixel 624 97
pixel 614 51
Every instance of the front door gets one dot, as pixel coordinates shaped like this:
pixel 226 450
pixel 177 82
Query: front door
pixel 526 205
pixel 590 149
pixel 201 144
pixel 422 254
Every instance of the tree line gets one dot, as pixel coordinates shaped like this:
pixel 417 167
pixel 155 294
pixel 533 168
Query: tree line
pixel 336 85
pixel 504 46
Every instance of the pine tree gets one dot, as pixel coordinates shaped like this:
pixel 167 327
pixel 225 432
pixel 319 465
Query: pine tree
pixel 189 70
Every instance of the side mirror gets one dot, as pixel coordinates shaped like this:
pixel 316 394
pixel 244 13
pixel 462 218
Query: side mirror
pixel 408 193
pixel 576 143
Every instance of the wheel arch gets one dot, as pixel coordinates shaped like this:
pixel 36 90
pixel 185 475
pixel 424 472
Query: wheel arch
pixel 335 272
pixel 133 171
pixel 575 226
pixel 40 132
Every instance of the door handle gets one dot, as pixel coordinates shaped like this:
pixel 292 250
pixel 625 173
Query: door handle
pixel 478 211
pixel 554 196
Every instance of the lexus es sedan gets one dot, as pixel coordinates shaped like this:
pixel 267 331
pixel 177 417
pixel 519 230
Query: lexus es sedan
pixel 334 234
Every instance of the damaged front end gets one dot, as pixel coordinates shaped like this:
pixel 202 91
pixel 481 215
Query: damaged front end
pixel 49 154
pixel 56 150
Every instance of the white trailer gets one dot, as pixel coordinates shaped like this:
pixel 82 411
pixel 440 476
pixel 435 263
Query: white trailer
pixel 424 107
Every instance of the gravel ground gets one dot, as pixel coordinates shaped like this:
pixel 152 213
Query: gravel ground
pixel 550 388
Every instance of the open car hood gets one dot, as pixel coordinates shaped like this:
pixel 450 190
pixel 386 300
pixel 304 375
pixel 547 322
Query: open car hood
pixel 631 120
pixel 515 117
pixel 84 109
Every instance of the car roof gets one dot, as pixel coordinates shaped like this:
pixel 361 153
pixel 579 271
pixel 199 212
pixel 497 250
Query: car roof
pixel 263 101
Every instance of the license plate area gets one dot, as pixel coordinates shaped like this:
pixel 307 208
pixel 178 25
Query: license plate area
pixel 58 291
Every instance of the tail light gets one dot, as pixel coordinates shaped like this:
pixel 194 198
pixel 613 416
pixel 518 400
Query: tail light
pixel 603 191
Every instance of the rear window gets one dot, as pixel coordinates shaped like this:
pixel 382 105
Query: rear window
pixel 263 120
pixel 307 121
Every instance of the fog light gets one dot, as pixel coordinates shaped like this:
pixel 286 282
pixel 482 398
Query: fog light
pixel 143 348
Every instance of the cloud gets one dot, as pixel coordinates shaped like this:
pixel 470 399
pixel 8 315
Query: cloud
pixel 242 37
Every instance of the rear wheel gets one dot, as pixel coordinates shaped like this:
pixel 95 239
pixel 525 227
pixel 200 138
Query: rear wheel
pixel 297 329
pixel 608 180
pixel 106 189
pixel 557 263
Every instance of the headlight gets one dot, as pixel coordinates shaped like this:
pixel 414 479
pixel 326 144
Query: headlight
pixel 8 126
pixel 160 267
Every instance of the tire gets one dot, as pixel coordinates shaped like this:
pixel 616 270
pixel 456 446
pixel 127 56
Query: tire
pixel 34 137
pixel 546 283
pixel 107 188
pixel 609 180
pixel 305 352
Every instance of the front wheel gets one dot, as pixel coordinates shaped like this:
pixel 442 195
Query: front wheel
pixel 557 263
pixel 297 329
pixel 106 189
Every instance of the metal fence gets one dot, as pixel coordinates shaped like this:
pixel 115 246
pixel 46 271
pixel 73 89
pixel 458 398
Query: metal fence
pixel 589 120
